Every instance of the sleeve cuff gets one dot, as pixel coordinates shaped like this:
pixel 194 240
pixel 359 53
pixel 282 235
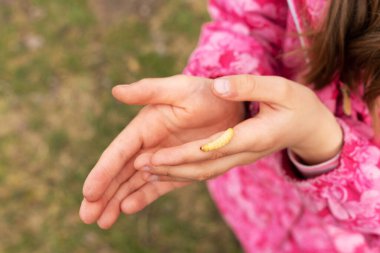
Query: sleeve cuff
pixel 313 170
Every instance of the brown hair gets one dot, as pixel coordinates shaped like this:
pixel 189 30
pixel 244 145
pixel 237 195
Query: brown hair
pixel 347 46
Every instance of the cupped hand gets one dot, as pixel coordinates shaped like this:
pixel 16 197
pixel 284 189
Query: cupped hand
pixel 179 109
pixel 290 116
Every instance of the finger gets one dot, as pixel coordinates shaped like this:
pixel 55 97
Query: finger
pixel 208 169
pixel 169 90
pixel 112 210
pixel 90 211
pixel 113 159
pixel 147 194
pixel 250 135
pixel 273 89
pixel 154 178
pixel 143 159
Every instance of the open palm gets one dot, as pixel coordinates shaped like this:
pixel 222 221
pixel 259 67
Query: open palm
pixel 179 109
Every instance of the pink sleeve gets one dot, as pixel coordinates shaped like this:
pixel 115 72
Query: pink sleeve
pixel 313 170
pixel 350 192
pixel 244 37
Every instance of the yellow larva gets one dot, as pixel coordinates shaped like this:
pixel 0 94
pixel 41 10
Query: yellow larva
pixel 222 141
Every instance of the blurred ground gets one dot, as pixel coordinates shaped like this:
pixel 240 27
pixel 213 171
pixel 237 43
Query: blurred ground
pixel 58 62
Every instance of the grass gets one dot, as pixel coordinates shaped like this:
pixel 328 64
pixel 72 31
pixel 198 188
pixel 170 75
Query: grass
pixel 59 61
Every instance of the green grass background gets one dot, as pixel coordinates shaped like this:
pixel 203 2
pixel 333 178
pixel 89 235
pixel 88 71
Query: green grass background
pixel 58 62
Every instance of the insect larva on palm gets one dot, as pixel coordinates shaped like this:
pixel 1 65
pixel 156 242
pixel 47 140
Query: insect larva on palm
pixel 221 141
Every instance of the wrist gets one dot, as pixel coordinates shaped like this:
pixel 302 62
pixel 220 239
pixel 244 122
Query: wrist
pixel 324 143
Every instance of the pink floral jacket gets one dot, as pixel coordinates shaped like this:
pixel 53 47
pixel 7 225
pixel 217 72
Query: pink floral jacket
pixel 268 209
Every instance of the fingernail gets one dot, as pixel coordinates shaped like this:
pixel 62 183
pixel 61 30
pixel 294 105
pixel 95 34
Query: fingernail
pixel 146 168
pixel 222 86
pixel 153 178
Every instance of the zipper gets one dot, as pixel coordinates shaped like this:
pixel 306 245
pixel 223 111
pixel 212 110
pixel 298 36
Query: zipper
pixel 297 23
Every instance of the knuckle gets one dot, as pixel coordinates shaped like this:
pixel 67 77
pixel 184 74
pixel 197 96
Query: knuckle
pixel 148 87
pixel 119 151
pixel 119 180
pixel 184 155
pixel 204 174
pixel 279 80
pixel 201 176
pixel 166 173
pixel 247 82
pixel 210 174
pixel 309 93
pixel 216 154
pixel 284 89
pixel 244 79
pixel 118 197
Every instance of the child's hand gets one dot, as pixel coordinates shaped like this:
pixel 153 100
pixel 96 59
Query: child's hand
pixel 180 109
pixel 291 116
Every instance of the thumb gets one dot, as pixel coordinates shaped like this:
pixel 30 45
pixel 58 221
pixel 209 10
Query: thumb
pixel 169 90
pixel 253 88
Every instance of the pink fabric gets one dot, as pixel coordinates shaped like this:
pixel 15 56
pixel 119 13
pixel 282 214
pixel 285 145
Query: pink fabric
pixel 268 208
pixel 313 170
